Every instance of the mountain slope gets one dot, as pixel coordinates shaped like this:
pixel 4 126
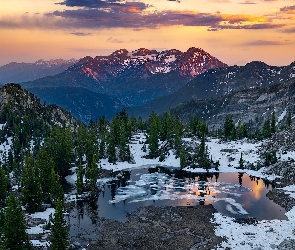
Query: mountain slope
pixel 23 72
pixel 17 102
pixel 220 82
pixel 82 103
pixel 252 106
pixel 134 77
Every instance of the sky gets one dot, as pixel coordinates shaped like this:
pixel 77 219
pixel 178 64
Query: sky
pixel 234 31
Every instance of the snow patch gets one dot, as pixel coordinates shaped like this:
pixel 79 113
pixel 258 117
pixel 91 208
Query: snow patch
pixel 281 117
pixel 265 234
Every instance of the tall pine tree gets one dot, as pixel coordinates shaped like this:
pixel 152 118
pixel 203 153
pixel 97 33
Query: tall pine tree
pixel 32 190
pixel 229 127
pixel 60 230
pixel 4 185
pixel 14 229
pixel 273 123
pixel 60 147
pixel 289 119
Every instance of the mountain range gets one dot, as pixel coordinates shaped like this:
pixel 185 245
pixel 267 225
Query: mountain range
pixel 134 77
pixel 251 106
pixel 142 81
pixel 23 72
pixel 125 78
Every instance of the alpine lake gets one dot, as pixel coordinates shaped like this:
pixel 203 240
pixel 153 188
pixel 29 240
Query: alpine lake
pixel 233 194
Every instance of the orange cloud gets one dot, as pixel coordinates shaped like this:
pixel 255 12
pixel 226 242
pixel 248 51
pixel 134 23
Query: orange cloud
pixel 288 9
pixel 243 18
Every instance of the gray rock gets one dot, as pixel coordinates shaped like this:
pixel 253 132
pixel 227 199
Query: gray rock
pixel 287 245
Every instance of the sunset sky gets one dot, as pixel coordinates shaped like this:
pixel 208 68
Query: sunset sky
pixel 234 31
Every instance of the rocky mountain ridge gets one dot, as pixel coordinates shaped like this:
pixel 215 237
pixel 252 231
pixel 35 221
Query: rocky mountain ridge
pixel 53 62
pixel 220 82
pixel 252 106
pixel 18 101
pixel 193 62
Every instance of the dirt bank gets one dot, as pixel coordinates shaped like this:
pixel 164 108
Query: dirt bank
pixel 160 228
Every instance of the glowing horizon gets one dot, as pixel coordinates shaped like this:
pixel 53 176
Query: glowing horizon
pixel 235 32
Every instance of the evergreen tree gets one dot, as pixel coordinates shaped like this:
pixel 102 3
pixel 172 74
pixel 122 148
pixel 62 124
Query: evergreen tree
pixel 4 186
pixel 80 183
pixel 266 129
pixel 241 161
pixel 2 223
pixel 182 159
pixel 102 146
pixel 60 231
pixel 140 124
pixel 273 123
pixel 132 123
pixel 270 158
pixel 177 142
pixel 289 119
pixel 2 220
pixel 111 150
pixel 91 146
pixel 55 188
pixel 203 156
pixel 80 142
pixel 201 129
pixel 257 134
pixel 45 164
pixel 193 122
pixel 241 130
pixel 233 133
pixel 32 190
pixel 166 126
pixel 103 135
pixel 60 147
pixel 123 151
pixel 102 125
pixel 14 229
pixel 229 127
pixel 92 172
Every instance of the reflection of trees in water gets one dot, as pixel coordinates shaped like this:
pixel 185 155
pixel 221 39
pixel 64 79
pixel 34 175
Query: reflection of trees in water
pixel 122 181
pixel 89 209
pixel 216 176
pixel 122 178
pixel 182 174
pixel 240 177
pixel 159 169
pixel 114 187
pixel 266 182
pixel 92 212
pixel 80 210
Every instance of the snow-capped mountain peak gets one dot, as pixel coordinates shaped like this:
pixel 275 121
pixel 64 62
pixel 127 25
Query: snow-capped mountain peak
pixel 190 63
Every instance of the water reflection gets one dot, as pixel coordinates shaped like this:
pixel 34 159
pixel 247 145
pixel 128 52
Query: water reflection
pixel 234 194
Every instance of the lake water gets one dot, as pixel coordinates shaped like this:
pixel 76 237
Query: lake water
pixel 233 194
